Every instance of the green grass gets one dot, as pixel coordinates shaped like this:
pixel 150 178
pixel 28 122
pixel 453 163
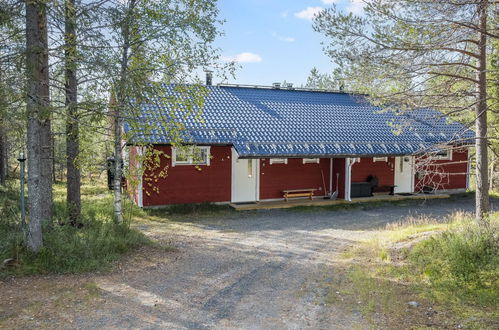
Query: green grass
pixel 189 209
pixel 462 263
pixel 451 265
pixel 66 249
pixel 365 205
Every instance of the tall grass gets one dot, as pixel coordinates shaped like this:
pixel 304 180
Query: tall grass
pixel 463 262
pixel 66 249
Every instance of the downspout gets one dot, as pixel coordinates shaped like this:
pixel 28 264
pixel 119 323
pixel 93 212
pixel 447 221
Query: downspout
pixel 348 177
pixel 468 171
pixel 330 176
pixel 140 193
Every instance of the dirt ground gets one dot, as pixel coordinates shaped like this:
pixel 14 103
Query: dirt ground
pixel 238 270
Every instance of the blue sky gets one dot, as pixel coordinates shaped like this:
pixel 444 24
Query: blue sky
pixel 273 40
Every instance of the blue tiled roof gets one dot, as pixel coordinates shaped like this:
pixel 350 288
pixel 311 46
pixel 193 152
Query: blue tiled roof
pixel 294 123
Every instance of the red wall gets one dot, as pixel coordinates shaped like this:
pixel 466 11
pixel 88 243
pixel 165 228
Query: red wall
pixel 294 175
pixel 196 184
pixel 367 166
pixel 339 167
pixel 189 183
pixel 444 174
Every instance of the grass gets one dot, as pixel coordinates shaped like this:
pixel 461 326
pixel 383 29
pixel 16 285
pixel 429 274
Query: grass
pixel 364 205
pixel 189 209
pixel 450 265
pixel 67 249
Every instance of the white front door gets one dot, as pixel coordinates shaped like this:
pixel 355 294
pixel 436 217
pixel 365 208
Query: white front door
pixel 244 179
pixel 404 174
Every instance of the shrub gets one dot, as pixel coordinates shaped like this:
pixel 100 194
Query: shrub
pixel 465 260
pixel 66 249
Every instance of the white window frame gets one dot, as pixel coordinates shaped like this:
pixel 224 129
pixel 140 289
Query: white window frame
pixel 278 161
pixel 190 160
pixel 311 160
pixel 448 156
pixel 380 159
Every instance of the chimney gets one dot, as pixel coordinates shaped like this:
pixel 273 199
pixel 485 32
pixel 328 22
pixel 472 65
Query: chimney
pixel 209 78
pixel 276 85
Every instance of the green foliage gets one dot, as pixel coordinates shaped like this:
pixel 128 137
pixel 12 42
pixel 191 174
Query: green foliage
pixel 183 209
pixel 464 261
pixel 67 249
pixel 333 81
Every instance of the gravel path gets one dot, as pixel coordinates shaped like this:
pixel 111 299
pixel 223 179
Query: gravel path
pixel 243 270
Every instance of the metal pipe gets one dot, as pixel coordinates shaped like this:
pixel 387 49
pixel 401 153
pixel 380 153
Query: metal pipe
pixel 330 176
pixel 348 177
pixel 22 159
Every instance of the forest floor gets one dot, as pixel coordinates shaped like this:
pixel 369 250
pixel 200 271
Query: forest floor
pixel 285 269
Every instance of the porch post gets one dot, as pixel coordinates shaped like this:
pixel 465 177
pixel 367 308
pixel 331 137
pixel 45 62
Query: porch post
pixel 468 171
pixel 348 179
pixel 140 196
pixel 330 176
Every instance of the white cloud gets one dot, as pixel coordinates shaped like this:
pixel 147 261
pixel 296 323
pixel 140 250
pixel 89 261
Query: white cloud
pixel 356 6
pixel 245 57
pixel 283 38
pixel 309 13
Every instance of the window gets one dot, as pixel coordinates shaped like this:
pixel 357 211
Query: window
pixel 310 160
pixel 250 168
pixel 380 159
pixel 278 161
pixel 444 154
pixel 192 155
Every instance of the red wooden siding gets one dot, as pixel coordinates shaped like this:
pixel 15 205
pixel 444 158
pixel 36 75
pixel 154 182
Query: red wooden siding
pixel 294 175
pixel 445 174
pixel 367 166
pixel 196 184
pixel 189 183
pixel 339 167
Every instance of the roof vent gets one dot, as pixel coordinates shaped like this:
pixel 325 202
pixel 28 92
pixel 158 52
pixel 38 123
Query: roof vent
pixel 276 85
pixel 289 85
pixel 209 78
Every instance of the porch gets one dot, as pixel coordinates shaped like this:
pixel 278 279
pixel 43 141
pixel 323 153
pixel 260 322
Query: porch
pixel 319 201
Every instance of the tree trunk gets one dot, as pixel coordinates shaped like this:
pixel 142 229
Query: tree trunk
pixel 3 140
pixel 38 130
pixel 119 108
pixel 482 181
pixel 3 155
pixel 118 212
pixel 72 127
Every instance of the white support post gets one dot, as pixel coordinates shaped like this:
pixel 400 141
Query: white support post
pixel 140 196
pixel 348 177
pixel 468 171
pixel 348 180
pixel 330 176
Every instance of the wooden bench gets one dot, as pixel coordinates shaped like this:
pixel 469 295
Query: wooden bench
pixel 298 193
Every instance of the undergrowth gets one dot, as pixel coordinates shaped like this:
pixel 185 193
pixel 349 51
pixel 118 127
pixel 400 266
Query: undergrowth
pixel 66 249
pixel 463 262
pixel 447 264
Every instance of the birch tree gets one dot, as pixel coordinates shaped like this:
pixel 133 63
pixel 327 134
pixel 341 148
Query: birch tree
pixel 415 54
pixel 156 42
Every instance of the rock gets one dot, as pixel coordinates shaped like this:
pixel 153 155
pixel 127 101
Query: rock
pixel 413 303
pixel 8 262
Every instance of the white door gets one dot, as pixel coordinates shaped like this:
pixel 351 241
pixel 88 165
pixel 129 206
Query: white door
pixel 244 179
pixel 404 174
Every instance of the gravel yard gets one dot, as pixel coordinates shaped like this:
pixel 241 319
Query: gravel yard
pixel 243 270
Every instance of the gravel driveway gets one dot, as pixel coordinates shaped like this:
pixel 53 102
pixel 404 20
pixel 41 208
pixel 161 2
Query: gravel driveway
pixel 245 270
